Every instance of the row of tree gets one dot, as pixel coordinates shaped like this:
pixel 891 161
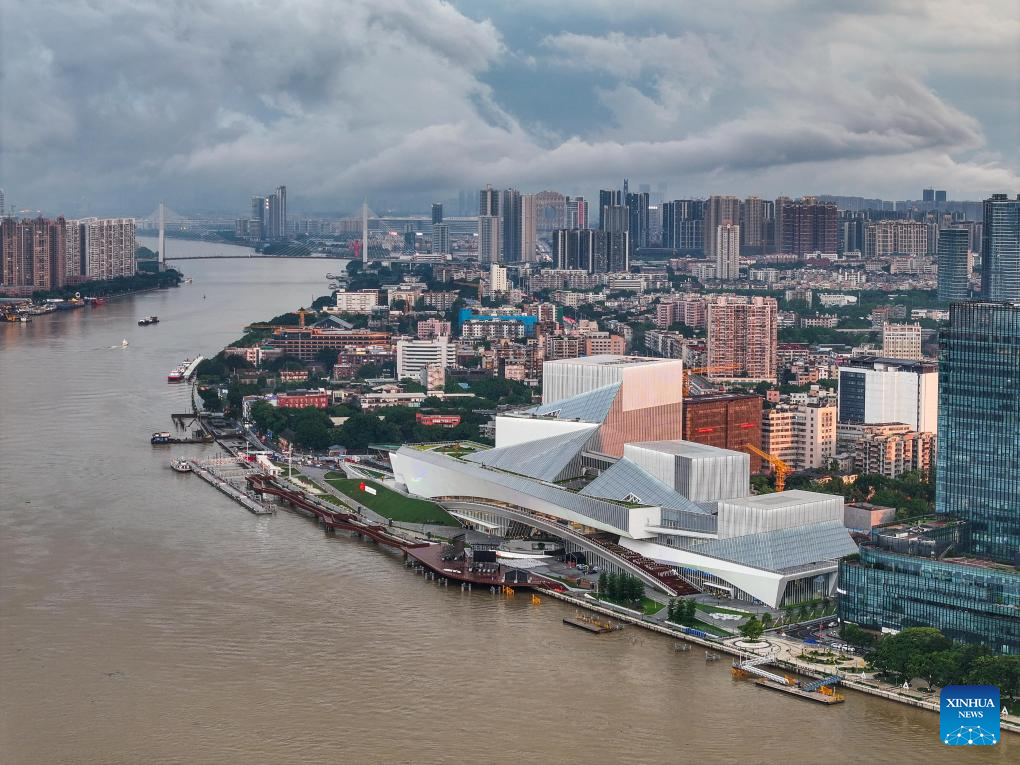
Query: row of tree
pixel 621 587
pixel 924 652
pixel 681 611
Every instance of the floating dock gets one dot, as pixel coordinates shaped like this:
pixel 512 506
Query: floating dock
pixel 821 698
pixel 591 624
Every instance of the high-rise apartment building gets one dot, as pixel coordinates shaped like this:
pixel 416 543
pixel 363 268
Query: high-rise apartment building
pixel 1000 251
pixel 875 390
pixel 727 252
pixel 437 213
pixel 99 248
pixel 441 238
pixel 34 254
pixel 896 237
pixel 281 230
pixel 806 226
pixel 498 281
pixel 954 265
pixel 576 249
pixel 511 213
pixel 550 213
pixel 489 231
pixel 979 426
pixel 488 202
pixel 719 211
pixel 269 216
pixel 638 221
pixel 608 198
pixel 901 341
pixel 257 223
pixel 683 226
pixel 742 336
pixel 752 225
pixel 576 213
pixel 802 435
pixel 529 229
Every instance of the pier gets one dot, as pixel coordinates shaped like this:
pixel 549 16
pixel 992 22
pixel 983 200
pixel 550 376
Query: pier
pixel 479 574
pixel 223 473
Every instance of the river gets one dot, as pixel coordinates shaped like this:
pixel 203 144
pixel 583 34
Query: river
pixel 146 618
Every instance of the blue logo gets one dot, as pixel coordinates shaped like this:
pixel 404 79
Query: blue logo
pixel 969 715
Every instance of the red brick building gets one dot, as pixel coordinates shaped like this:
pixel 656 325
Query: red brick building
pixel 302 399
pixel 725 420
pixel 446 420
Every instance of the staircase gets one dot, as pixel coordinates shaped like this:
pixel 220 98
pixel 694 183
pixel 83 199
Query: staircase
pixel 660 572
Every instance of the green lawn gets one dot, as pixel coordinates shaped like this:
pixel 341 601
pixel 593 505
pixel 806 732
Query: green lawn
pixel 648 606
pixel 391 504
pixel 719 609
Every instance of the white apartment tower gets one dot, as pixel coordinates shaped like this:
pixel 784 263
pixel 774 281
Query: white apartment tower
pixel 727 252
pixel 415 355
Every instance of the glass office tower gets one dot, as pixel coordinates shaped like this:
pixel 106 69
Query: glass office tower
pixel 954 266
pixel 1000 253
pixel 905 576
pixel 978 474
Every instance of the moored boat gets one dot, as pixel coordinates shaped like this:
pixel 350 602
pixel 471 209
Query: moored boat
pixel 180 465
pixel 185 370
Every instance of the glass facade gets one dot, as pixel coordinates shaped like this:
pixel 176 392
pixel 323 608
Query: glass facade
pixel 967 603
pixel 954 267
pixel 851 396
pixel 978 476
pixel 1000 253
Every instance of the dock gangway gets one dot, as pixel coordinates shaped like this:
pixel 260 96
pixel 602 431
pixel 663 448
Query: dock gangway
pixel 754 666
pixel 814 685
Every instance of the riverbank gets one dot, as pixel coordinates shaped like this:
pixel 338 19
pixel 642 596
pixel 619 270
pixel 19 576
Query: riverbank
pixel 783 652
pixel 109 288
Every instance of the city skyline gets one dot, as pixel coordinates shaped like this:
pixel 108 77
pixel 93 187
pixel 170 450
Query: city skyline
pixel 884 100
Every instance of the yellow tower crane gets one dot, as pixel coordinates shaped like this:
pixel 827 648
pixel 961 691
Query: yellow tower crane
pixel 781 468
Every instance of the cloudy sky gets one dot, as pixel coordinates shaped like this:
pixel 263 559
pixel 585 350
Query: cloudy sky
pixel 109 105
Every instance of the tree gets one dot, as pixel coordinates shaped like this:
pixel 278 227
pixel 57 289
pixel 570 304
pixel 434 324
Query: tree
pixel 367 371
pixel 210 399
pixel 603 582
pixel 1000 671
pixel 613 585
pixel 895 652
pixel 635 589
pixel 321 302
pixel 752 629
pixel 327 356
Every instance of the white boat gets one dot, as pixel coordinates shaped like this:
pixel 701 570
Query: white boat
pixel 180 465
pixel 185 370
pixel 124 343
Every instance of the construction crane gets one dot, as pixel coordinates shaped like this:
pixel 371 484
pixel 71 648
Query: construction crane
pixel 780 468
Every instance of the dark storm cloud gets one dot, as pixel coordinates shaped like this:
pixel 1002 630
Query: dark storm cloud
pixel 207 101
